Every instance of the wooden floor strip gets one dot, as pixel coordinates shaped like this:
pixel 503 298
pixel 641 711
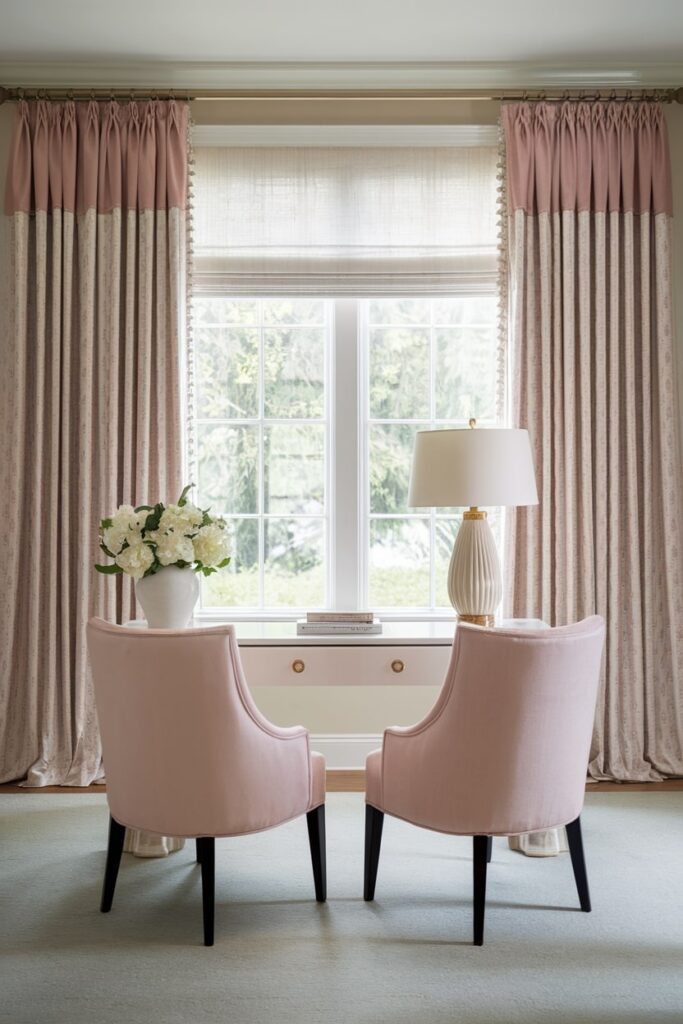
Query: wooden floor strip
pixel 352 780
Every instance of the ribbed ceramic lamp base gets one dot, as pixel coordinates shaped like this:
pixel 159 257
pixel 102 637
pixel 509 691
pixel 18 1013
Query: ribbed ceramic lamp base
pixel 475 586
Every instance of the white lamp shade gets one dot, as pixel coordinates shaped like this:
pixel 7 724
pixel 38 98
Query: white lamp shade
pixel 472 467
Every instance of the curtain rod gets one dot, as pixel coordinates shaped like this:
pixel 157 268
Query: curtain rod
pixel 669 95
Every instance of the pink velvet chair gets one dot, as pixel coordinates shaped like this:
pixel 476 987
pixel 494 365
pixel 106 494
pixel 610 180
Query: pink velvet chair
pixel 503 751
pixel 187 752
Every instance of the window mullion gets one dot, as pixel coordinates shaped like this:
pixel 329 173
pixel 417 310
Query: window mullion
pixel 432 417
pixel 261 465
pixel 345 444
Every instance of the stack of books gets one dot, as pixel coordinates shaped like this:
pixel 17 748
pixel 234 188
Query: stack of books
pixel 336 623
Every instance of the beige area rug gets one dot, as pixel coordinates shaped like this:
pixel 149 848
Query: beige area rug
pixel 281 958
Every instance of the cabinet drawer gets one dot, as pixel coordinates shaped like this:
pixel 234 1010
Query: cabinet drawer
pixel 401 665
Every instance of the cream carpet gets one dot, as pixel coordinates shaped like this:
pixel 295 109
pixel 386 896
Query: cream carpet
pixel 279 957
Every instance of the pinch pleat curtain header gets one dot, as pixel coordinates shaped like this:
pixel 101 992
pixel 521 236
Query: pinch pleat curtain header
pixel 599 156
pixel 78 156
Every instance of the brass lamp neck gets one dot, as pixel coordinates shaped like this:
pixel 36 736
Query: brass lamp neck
pixel 474 513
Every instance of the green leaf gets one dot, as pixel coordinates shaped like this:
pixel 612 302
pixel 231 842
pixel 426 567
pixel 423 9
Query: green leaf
pixel 109 570
pixel 182 500
pixel 106 550
pixel 222 565
pixel 144 508
pixel 153 519
pixel 106 523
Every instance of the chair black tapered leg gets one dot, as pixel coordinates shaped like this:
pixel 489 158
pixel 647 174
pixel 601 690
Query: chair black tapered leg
pixel 207 848
pixel 117 835
pixel 198 849
pixel 575 841
pixel 315 820
pixel 479 863
pixel 374 821
pixel 489 849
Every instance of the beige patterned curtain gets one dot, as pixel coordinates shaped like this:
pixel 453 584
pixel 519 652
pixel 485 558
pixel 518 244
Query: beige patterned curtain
pixel 592 365
pixel 94 240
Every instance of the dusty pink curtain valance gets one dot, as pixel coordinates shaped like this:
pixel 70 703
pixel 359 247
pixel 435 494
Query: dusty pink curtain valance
pixel 600 156
pixel 97 155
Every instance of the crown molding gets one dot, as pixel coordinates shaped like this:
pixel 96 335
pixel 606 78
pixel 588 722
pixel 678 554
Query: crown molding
pixel 256 76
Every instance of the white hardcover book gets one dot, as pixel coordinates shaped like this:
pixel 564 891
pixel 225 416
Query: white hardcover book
pixel 304 628
pixel 340 617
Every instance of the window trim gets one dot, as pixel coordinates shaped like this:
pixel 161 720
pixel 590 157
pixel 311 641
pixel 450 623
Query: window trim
pixel 346 524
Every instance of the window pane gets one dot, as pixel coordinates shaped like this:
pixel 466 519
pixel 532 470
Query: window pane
pixel 216 310
pixel 294 311
pixel 228 468
pixel 294 563
pixel 226 371
pixel 294 371
pixel 399 311
pixel 399 373
pixel 466 374
pixel 399 563
pixel 475 309
pixel 391 453
pixel 294 469
pixel 238 585
pixel 445 533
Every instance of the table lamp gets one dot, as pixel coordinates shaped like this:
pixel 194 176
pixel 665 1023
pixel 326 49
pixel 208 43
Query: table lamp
pixel 473 467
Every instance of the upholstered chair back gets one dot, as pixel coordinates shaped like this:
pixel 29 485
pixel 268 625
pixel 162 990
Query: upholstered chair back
pixel 506 747
pixel 186 752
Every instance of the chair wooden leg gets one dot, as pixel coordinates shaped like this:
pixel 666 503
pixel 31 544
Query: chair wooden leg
pixel 117 835
pixel 206 847
pixel 374 821
pixel 489 849
pixel 315 820
pixel 198 850
pixel 479 862
pixel 575 841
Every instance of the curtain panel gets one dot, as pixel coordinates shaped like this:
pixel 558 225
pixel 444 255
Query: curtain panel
pixel 589 257
pixel 93 307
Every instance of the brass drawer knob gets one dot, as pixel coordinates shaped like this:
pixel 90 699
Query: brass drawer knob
pixel 298 665
pixel 397 666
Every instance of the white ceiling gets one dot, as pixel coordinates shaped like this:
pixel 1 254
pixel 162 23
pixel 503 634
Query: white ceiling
pixel 341 30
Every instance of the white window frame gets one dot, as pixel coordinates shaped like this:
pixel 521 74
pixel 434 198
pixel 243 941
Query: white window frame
pixel 346 452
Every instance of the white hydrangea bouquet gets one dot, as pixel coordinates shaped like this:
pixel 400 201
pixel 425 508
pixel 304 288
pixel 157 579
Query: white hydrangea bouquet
pixel 145 539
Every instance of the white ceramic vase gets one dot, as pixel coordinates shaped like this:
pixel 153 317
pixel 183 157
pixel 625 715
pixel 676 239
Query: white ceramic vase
pixel 168 597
